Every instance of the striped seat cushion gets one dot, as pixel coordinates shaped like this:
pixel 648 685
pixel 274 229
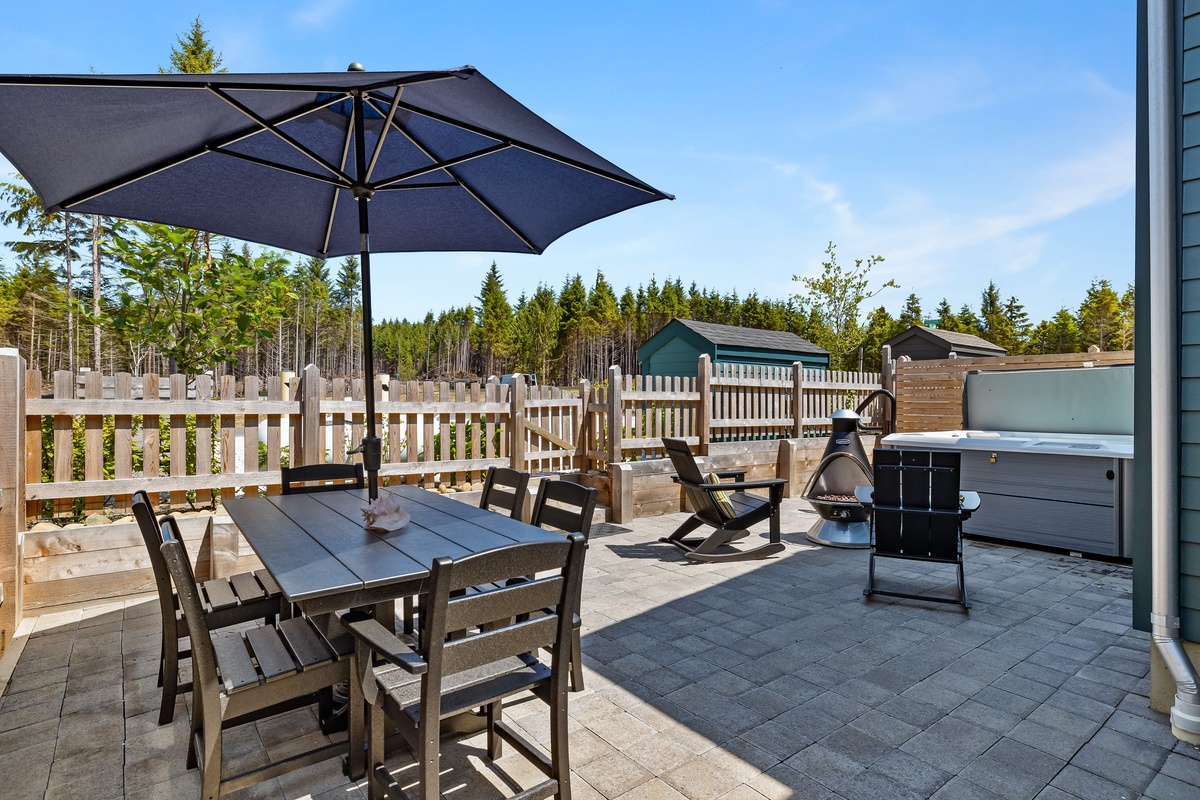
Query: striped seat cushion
pixel 722 499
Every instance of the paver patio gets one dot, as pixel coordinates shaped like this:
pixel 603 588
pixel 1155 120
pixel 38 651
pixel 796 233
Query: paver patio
pixel 766 679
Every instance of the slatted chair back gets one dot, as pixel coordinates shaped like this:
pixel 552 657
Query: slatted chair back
pixel 703 503
pixel 204 665
pixel 508 620
pixel 243 675
pixel 917 508
pixel 239 598
pixel 493 658
pixel 565 506
pixel 322 478
pixel 143 512
pixel 506 488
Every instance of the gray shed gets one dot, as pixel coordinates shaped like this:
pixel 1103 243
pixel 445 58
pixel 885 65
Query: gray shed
pixel 923 344
pixel 676 348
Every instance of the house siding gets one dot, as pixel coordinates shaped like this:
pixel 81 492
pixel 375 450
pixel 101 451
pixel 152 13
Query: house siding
pixel 1189 319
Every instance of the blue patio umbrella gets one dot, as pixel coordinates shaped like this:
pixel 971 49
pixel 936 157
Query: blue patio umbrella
pixel 324 164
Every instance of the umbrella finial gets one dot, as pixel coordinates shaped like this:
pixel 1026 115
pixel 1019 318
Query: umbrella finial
pixel 356 67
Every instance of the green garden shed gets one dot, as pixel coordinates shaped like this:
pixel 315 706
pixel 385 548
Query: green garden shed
pixel 676 349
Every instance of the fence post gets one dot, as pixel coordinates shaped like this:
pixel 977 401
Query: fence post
pixel 12 490
pixel 310 416
pixel 798 399
pixel 584 435
pixel 616 416
pixel 704 411
pixel 516 423
pixel 887 368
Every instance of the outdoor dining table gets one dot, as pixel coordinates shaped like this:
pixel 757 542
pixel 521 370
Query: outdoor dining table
pixel 324 560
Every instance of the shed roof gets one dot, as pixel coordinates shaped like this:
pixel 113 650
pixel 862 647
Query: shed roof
pixel 734 336
pixel 950 338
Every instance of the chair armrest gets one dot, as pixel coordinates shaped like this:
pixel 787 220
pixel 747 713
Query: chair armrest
pixel 384 643
pixel 765 483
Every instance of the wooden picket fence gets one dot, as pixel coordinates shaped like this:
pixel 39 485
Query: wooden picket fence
pixel 95 440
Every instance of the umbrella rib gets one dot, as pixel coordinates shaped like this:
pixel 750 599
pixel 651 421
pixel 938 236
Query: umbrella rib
pixel 268 125
pixel 333 181
pixel 496 213
pixel 570 162
pixel 333 206
pixel 443 185
pixel 441 165
pixel 486 205
pixel 387 126
pixel 136 175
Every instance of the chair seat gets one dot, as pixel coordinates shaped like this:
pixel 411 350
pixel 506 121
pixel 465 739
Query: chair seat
pixel 463 691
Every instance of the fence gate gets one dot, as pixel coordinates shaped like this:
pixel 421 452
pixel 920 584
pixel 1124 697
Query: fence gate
pixel 551 422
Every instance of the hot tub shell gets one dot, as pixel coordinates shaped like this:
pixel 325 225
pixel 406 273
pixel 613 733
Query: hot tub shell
pixel 1050 453
pixel 1070 491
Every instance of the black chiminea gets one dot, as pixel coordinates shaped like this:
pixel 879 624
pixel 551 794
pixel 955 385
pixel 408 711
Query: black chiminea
pixel 843 521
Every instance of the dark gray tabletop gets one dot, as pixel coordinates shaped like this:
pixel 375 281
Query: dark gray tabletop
pixel 316 548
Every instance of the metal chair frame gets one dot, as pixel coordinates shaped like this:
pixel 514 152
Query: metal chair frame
pixel 917 515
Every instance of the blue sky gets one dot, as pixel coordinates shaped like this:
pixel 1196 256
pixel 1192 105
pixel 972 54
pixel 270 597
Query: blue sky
pixel 964 142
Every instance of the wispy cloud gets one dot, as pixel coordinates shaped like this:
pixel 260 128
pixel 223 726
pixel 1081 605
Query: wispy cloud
pixel 318 13
pixel 931 245
pixel 908 94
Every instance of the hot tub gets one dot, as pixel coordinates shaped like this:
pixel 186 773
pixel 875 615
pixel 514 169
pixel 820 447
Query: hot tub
pixel 1069 488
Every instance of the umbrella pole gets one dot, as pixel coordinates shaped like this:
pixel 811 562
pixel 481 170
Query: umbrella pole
pixel 372 447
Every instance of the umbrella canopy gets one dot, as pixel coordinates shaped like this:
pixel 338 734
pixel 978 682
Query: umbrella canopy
pixel 447 161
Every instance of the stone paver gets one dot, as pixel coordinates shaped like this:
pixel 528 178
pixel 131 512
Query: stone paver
pixel 762 680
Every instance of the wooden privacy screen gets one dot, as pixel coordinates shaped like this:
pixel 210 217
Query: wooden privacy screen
pixel 929 393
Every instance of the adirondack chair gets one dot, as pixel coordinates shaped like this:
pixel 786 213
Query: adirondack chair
pixel 726 507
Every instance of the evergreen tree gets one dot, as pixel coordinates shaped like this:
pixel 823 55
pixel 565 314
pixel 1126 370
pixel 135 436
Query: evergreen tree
pixel 911 313
pixel 879 328
pixel 493 335
pixel 1018 322
pixel 1100 317
pixel 193 54
pixel 345 295
pixel 535 332
pixel 1127 317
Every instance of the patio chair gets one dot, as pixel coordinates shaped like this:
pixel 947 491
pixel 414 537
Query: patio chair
pixel 568 507
pixel 322 478
pixel 442 678
pixel 917 515
pixel 246 675
pixel 726 507
pixel 228 601
pixel 505 488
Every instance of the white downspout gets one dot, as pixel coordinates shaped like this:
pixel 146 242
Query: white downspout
pixel 1164 372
